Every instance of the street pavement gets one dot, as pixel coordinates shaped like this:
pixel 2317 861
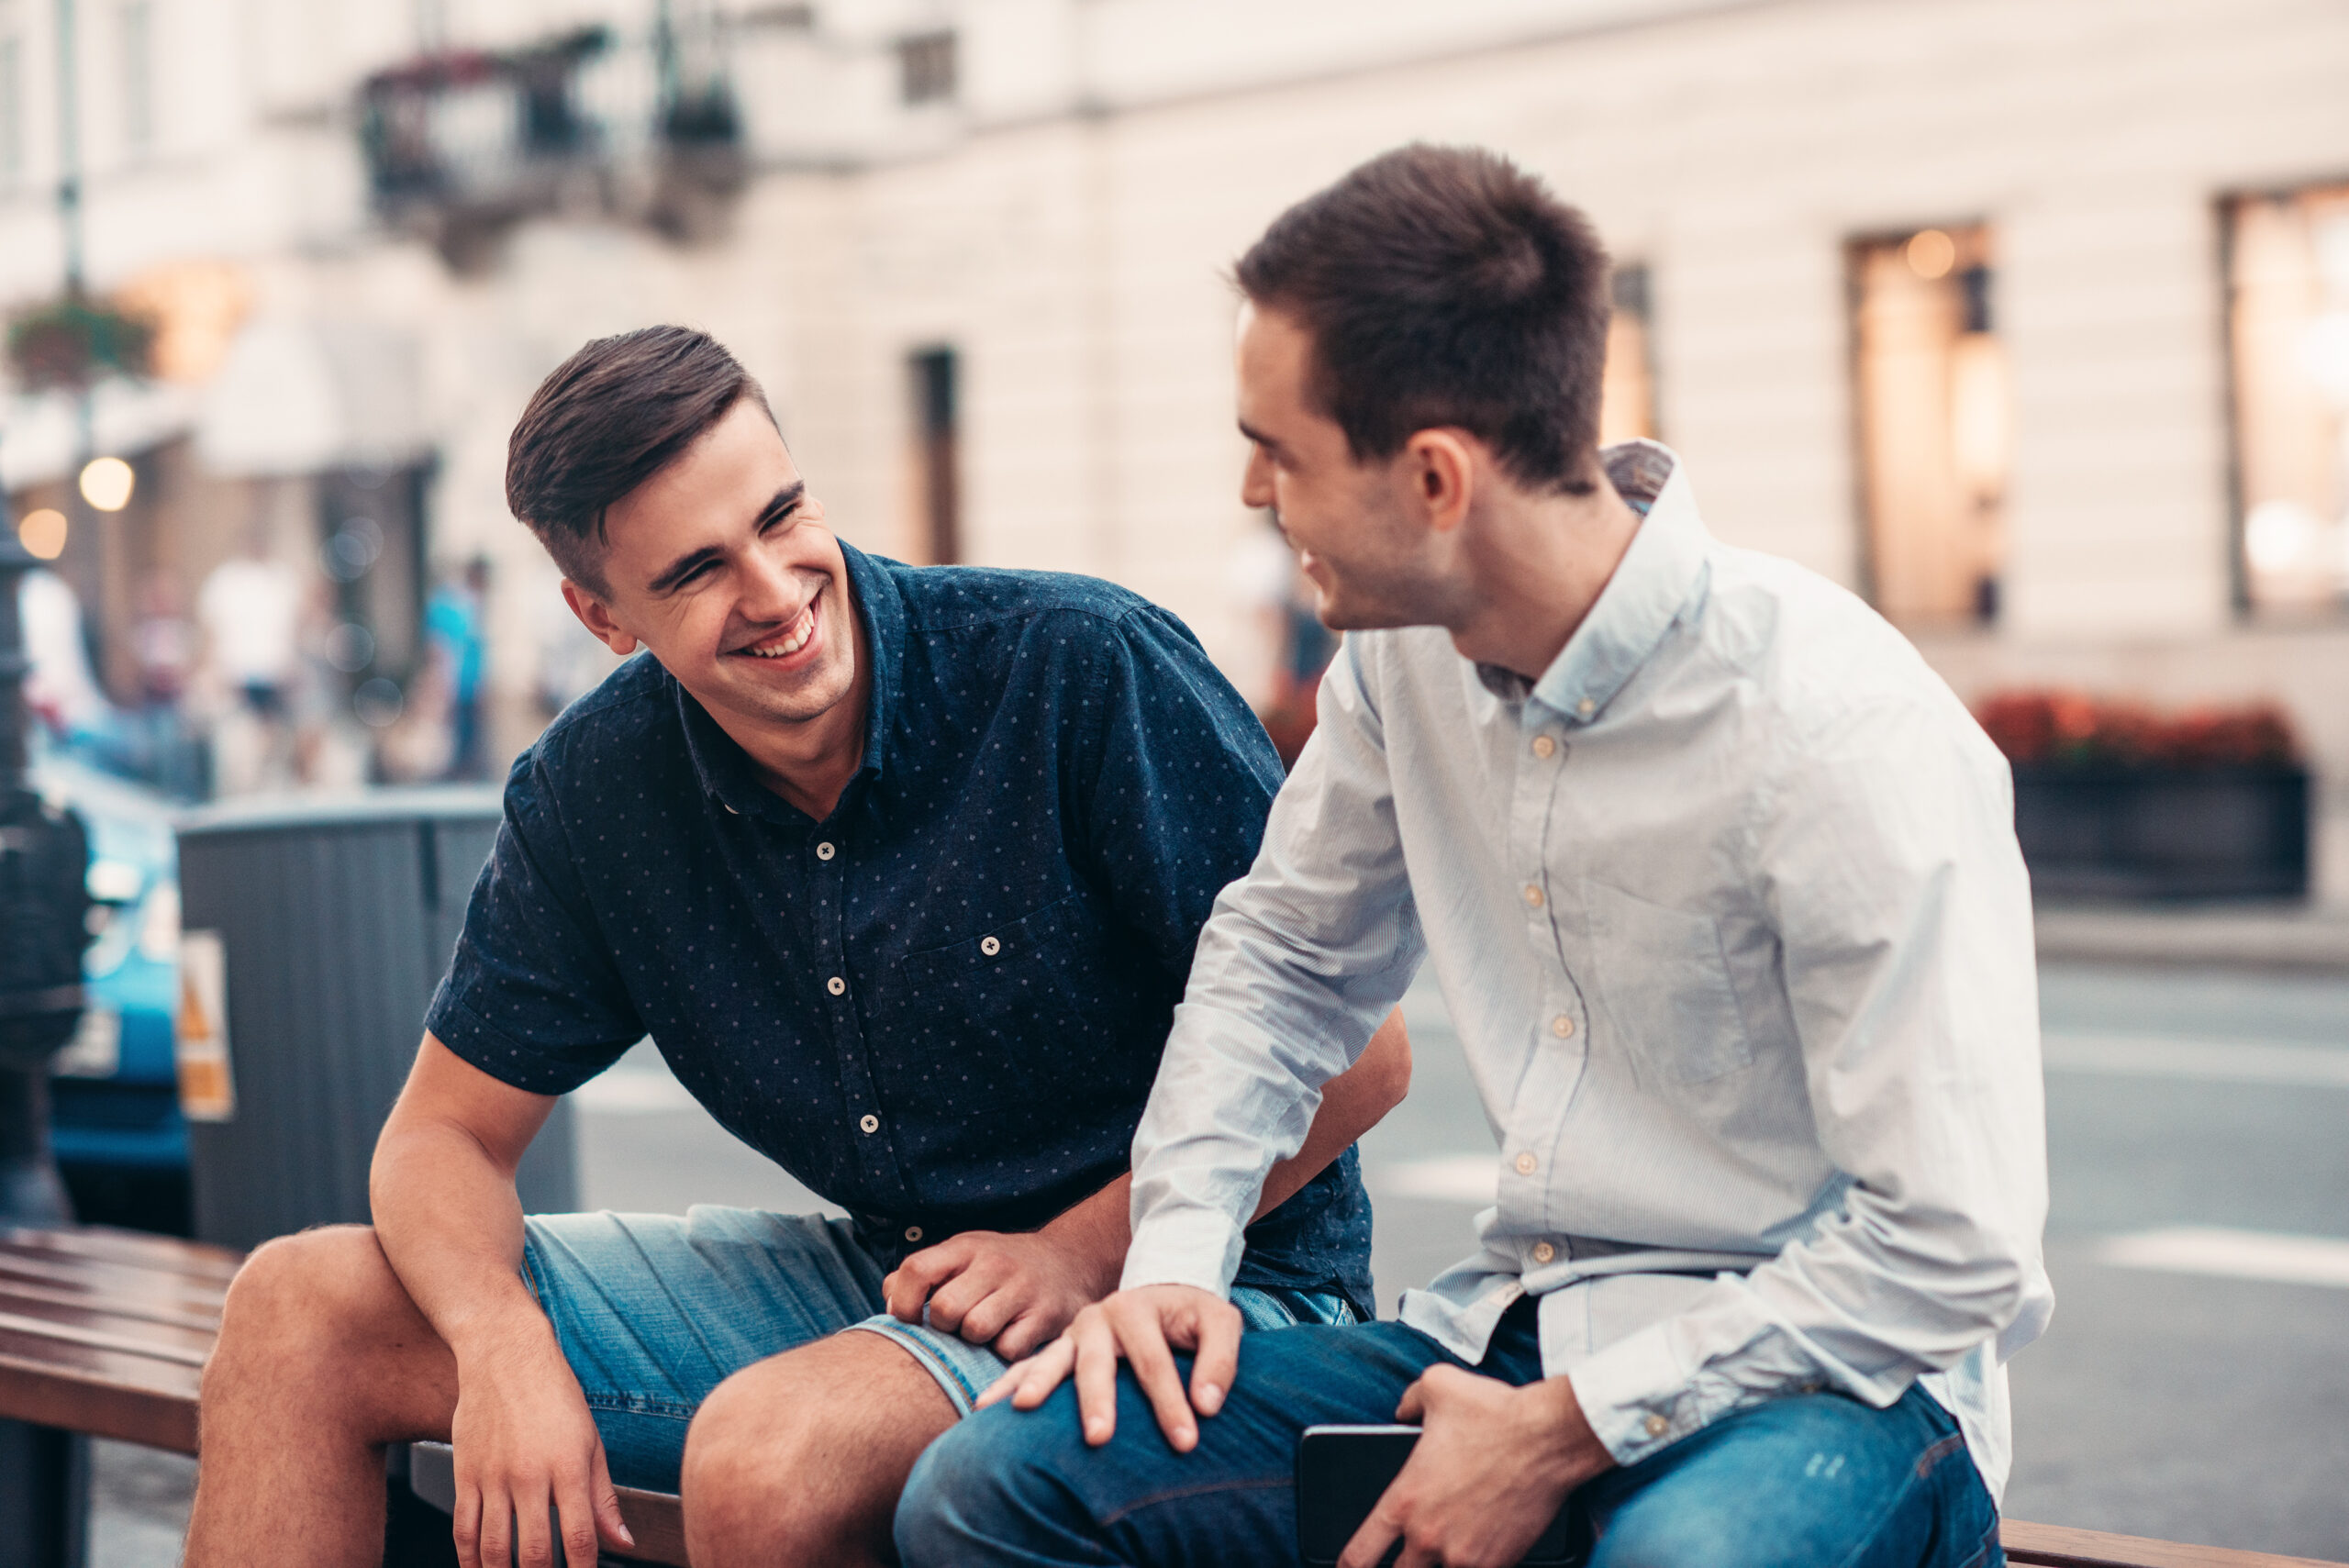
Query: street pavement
pixel 2195 1385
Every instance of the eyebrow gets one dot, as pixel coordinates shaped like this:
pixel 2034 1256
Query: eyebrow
pixel 1257 435
pixel 783 503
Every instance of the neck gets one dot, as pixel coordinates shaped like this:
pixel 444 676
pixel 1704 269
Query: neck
pixel 1536 567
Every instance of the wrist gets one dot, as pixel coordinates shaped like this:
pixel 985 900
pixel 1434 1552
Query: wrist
pixel 1570 1450
pixel 1095 1248
pixel 498 1333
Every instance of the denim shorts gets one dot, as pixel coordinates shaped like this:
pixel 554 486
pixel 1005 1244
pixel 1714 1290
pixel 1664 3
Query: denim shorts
pixel 655 1310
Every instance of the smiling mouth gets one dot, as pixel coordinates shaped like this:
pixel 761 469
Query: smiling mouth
pixel 787 641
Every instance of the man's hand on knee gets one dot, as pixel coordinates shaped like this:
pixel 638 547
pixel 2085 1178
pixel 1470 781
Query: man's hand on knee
pixel 1492 1467
pixel 524 1444
pixel 1014 1292
pixel 1144 1327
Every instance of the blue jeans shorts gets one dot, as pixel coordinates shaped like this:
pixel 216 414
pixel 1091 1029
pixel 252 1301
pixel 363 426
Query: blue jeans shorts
pixel 655 1310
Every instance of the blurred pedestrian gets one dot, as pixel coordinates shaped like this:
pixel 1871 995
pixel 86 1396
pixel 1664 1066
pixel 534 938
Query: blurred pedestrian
pixel 452 628
pixel 1267 573
pixel 250 611
pixel 163 646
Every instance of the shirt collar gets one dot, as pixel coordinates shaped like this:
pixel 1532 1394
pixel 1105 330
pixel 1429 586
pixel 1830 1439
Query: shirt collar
pixel 1641 601
pixel 722 766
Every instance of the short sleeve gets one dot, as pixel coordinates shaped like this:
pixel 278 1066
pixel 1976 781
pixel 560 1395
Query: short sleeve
pixel 1182 776
pixel 532 996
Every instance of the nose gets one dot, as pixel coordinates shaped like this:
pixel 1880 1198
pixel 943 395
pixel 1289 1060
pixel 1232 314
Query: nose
pixel 1256 479
pixel 771 590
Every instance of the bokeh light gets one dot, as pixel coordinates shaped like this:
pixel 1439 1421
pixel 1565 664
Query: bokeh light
pixel 43 533
pixel 1932 254
pixel 106 484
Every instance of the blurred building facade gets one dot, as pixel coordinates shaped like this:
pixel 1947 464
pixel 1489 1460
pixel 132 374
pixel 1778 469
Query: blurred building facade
pixel 2027 318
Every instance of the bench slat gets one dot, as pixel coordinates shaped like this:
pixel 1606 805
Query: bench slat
pixel 13 1291
pixel 108 1394
pixel 133 1249
pixel 33 1320
pixel 112 1282
pixel 2061 1546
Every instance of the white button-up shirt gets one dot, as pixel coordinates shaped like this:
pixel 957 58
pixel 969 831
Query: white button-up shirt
pixel 1728 909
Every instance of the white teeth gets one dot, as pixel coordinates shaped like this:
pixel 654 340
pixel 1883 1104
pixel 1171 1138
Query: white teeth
pixel 801 630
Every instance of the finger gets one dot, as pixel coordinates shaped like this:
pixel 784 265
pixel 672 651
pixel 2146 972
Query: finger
pixel 497 1528
pixel 1096 1380
pixel 1370 1542
pixel 1018 1339
pixel 951 1302
pixel 1413 1405
pixel 909 1287
pixel 1216 1363
pixel 533 1541
pixel 464 1524
pixel 575 1521
pixel 1161 1382
pixel 606 1499
pixel 1043 1373
pixel 984 1321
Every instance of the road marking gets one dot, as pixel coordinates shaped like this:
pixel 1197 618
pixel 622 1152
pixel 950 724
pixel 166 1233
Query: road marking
pixel 2209 1061
pixel 633 1091
pixel 1447 1178
pixel 2233 1254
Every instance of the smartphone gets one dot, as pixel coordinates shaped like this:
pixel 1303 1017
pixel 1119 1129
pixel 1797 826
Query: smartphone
pixel 1342 1472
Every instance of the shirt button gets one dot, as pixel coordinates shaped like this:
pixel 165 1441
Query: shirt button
pixel 729 809
pixel 1544 747
pixel 1657 1425
pixel 836 985
pixel 1532 896
pixel 869 1122
pixel 913 1232
pixel 1526 1163
pixel 1562 1027
pixel 825 851
pixel 1586 707
pixel 989 946
pixel 1543 1252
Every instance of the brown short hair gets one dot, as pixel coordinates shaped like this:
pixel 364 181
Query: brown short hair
pixel 1443 285
pixel 608 418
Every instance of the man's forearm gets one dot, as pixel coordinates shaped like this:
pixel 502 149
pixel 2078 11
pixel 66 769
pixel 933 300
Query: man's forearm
pixel 451 1224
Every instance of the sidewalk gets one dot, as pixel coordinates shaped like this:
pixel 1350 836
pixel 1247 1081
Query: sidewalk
pixel 2291 938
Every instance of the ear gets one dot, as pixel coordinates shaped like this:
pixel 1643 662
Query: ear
pixel 1439 469
pixel 596 617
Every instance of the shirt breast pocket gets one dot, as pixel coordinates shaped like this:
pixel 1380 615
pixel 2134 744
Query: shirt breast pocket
pixel 1019 1011
pixel 1666 985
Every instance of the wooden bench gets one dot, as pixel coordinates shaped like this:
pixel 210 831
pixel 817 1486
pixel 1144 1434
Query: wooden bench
pixel 105 1333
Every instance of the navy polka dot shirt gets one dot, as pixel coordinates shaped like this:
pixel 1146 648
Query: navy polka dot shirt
pixel 942 1007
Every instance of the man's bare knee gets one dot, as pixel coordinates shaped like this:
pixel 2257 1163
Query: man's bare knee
pixel 323 1309
pixel 801 1457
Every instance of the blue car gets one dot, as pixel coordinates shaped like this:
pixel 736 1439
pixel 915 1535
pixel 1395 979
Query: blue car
pixel 115 1112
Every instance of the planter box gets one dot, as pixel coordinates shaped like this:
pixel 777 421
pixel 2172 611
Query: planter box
pixel 2163 833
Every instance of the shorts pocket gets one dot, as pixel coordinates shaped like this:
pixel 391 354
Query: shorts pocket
pixel 1666 985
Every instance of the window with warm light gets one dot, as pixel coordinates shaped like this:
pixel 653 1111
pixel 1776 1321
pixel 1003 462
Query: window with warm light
pixel 1627 398
pixel 2288 327
pixel 1934 415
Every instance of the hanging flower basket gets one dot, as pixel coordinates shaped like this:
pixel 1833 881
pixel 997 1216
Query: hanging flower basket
pixel 2116 799
pixel 73 343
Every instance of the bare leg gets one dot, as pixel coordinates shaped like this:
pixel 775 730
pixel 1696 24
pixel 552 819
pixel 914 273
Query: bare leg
pixel 322 1360
pixel 800 1459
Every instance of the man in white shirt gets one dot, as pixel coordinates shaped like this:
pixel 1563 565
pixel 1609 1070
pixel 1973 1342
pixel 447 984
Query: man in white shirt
pixel 1720 885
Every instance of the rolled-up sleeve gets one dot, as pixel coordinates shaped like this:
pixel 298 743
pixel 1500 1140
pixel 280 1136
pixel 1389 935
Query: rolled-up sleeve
pixel 532 996
pixel 1299 961
pixel 1884 855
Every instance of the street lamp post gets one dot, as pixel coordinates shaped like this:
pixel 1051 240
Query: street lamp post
pixel 44 905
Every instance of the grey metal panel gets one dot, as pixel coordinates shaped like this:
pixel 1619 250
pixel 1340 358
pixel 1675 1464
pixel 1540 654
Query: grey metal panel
pixel 336 925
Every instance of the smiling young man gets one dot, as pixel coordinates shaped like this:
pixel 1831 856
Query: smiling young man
pixel 1722 887
pixel 903 869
